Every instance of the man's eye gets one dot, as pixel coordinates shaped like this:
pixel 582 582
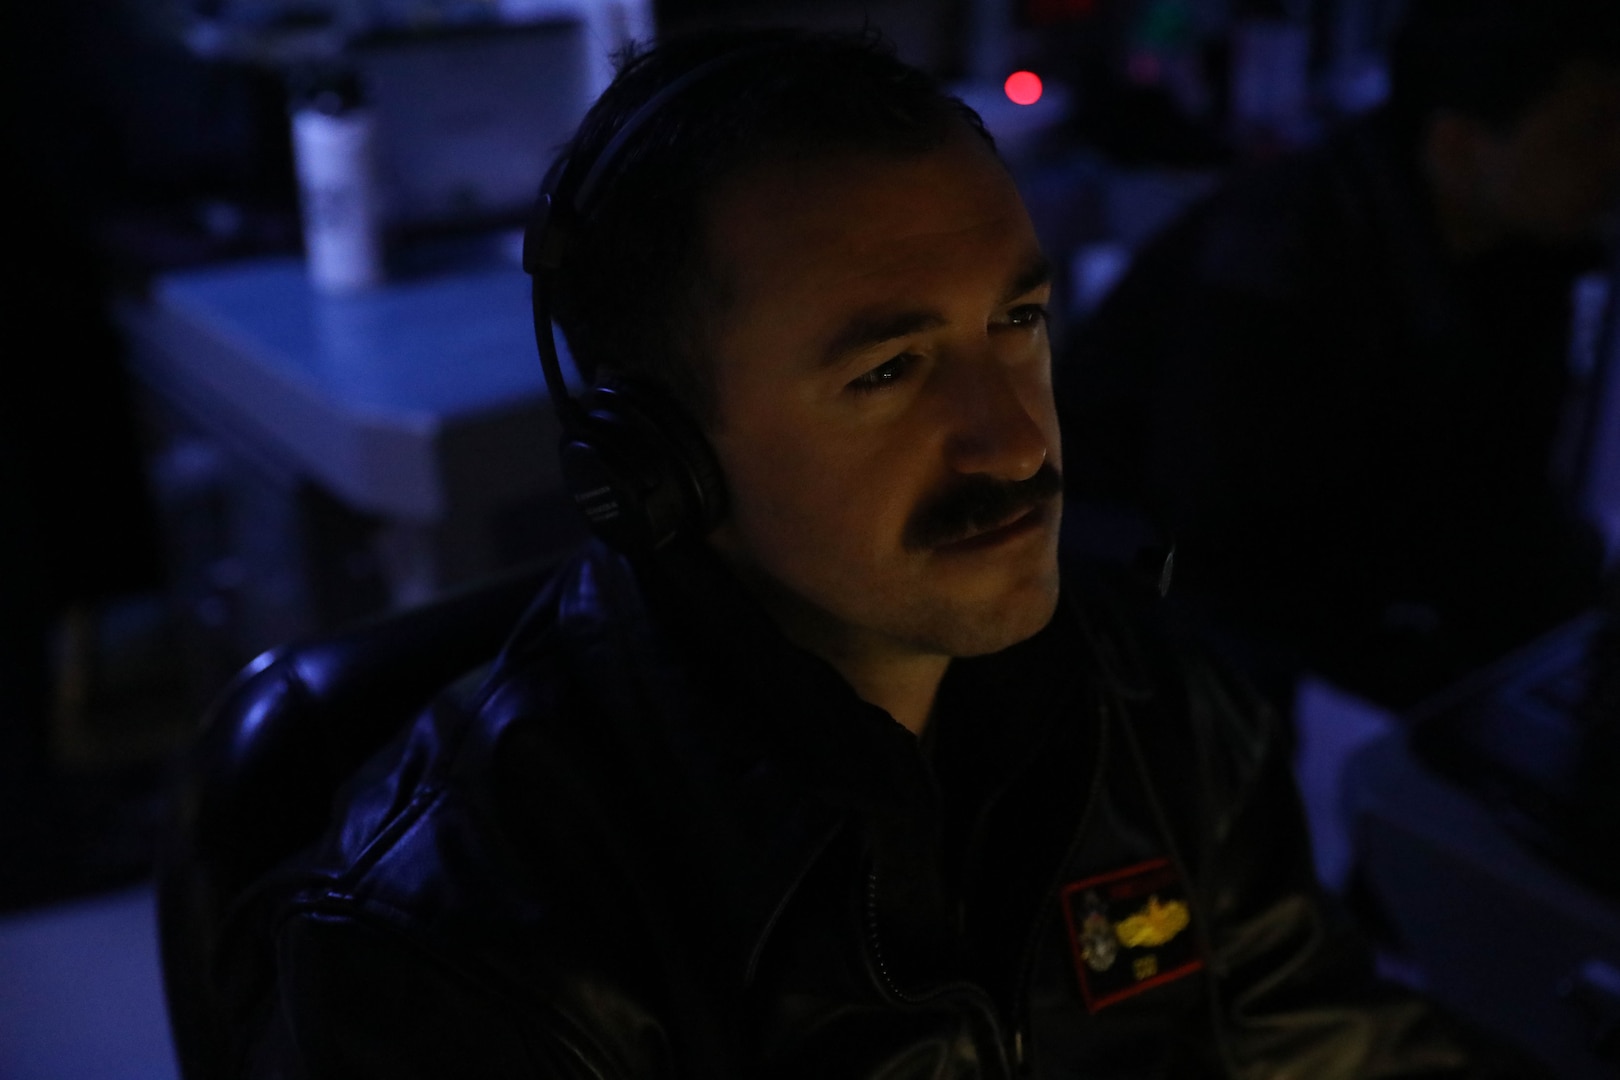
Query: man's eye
pixel 885 374
pixel 1027 315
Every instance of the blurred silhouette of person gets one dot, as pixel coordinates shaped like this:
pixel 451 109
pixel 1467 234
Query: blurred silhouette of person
pixel 1340 381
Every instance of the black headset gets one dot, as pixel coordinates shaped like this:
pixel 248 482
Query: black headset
pixel 636 465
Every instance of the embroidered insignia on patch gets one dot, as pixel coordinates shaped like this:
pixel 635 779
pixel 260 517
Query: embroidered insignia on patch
pixel 1099 946
pixel 1138 915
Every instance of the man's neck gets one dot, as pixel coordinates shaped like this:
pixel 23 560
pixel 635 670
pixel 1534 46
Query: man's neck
pixel 896 677
pixel 902 681
pixel 903 686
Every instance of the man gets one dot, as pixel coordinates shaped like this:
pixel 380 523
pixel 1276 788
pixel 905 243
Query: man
pixel 846 779
pixel 1341 383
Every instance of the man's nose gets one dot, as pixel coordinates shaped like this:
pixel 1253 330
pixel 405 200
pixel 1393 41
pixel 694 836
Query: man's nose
pixel 995 430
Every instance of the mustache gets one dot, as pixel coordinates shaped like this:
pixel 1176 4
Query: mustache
pixel 976 503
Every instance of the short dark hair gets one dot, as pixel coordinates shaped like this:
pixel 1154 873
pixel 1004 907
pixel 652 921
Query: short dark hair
pixel 635 290
pixel 1493 59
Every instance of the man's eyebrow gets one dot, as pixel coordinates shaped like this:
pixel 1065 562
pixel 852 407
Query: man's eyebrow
pixel 869 328
pixel 1035 273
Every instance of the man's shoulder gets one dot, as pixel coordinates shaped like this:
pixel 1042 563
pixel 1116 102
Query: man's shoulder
pixel 490 852
pixel 483 808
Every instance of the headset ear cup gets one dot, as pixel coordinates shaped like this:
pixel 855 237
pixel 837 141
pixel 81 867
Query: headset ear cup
pixel 682 447
pixel 641 472
pixel 612 498
pixel 637 466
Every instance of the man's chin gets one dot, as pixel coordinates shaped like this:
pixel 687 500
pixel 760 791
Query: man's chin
pixel 1002 621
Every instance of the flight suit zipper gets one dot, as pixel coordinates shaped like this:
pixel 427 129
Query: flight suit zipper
pixel 1013 1047
pixel 960 990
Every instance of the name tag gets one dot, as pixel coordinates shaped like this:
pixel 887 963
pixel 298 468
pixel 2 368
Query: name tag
pixel 1130 930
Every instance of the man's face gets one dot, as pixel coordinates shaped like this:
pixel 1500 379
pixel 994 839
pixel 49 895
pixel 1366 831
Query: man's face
pixel 1555 173
pixel 884 402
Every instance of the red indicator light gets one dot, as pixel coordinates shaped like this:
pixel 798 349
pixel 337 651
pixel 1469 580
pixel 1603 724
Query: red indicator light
pixel 1023 87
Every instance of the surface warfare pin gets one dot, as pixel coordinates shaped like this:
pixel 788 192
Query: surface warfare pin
pixel 1129 931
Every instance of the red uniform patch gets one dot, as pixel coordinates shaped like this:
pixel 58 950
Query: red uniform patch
pixel 1130 930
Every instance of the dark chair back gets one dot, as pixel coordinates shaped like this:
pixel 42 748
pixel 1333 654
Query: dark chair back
pixel 275 748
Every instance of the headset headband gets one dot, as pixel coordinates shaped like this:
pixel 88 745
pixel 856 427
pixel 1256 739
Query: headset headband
pixel 545 240
pixel 639 470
